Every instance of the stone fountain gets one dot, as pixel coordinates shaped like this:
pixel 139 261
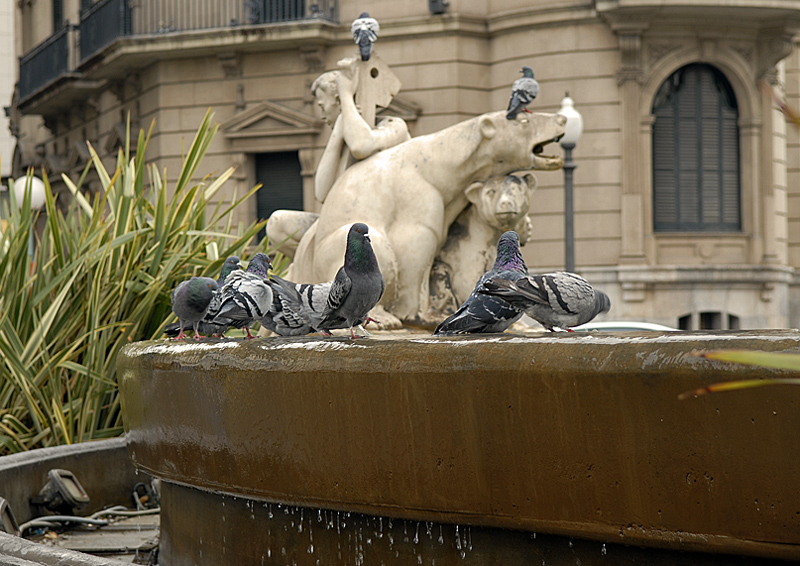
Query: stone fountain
pixel 495 449
pixel 426 450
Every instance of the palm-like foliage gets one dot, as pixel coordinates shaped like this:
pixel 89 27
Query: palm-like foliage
pixel 100 276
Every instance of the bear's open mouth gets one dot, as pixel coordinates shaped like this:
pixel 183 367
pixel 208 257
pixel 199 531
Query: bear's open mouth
pixel 546 162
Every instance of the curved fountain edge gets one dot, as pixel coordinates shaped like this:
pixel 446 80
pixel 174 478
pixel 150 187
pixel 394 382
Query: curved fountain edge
pixel 531 439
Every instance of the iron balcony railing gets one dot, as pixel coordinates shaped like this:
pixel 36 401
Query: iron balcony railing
pixel 45 62
pixel 102 23
pixel 105 21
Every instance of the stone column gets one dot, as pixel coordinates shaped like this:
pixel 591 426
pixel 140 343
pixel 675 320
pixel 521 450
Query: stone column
pixel 630 78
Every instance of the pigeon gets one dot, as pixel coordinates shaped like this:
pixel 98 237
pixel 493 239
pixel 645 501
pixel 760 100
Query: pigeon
pixel 523 91
pixel 346 301
pixel 232 263
pixel 246 296
pixel 294 304
pixel 190 302
pixel 206 326
pixel 556 300
pixel 486 313
pixel 365 32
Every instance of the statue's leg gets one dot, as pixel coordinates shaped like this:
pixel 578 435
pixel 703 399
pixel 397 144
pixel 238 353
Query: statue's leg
pixel 414 263
pixel 286 228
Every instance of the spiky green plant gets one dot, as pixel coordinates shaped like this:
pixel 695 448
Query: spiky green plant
pixel 774 360
pixel 100 276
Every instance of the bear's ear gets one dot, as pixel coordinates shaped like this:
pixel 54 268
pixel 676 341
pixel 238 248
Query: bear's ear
pixel 530 180
pixel 487 127
pixel 473 192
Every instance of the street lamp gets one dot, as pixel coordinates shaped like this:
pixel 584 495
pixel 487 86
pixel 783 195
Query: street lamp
pixel 36 188
pixel 37 199
pixel 572 133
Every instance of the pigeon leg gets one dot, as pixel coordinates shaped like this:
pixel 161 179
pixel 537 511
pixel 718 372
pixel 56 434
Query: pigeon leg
pixel 370 319
pixel 570 330
pixel 181 335
pixel 326 333
pixel 249 336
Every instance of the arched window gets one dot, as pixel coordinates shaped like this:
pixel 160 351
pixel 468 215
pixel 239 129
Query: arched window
pixel 696 184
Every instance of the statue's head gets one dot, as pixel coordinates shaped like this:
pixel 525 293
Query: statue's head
pixel 326 92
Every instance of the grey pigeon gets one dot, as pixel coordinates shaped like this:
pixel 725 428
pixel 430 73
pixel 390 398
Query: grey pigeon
pixel 246 296
pixel 190 301
pixel 365 32
pixel 294 304
pixel 206 326
pixel 523 91
pixel 346 301
pixel 232 263
pixel 485 313
pixel 556 300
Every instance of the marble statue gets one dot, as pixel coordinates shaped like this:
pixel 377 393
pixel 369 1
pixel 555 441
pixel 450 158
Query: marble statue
pixel 351 139
pixel 408 190
pixel 497 205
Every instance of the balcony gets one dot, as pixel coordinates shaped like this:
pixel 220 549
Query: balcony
pixel 65 57
pixel 46 62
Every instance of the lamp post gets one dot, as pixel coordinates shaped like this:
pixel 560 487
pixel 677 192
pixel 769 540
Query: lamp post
pixel 572 133
pixel 37 198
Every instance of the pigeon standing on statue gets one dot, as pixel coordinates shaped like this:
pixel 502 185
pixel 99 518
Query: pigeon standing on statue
pixel 346 301
pixel 365 32
pixel 190 301
pixel 556 300
pixel 523 91
pixel 486 313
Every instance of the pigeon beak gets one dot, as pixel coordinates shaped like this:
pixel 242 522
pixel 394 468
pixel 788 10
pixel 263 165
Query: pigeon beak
pixel 367 238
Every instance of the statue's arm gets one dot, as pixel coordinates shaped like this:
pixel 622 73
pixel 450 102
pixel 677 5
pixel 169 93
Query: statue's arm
pixel 328 167
pixel 363 140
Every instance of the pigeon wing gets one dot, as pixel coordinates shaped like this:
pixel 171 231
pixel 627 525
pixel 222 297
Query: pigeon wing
pixel 339 290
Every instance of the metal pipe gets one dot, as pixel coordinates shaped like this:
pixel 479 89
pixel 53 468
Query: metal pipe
pixel 569 215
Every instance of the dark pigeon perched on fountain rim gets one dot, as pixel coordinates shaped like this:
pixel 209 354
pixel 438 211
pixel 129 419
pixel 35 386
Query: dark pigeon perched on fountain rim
pixel 486 313
pixel 556 300
pixel 206 326
pixel 346 301
pixel 190 302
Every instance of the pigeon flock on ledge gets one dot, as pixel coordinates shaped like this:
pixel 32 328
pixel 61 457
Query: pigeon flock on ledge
pixel 241 297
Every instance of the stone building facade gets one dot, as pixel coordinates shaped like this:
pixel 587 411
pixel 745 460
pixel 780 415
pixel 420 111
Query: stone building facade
pixel 695 242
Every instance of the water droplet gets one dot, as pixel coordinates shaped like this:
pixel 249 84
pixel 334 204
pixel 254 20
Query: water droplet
pixel 570 543
pixel 458 539
pixel 603 549
pixel 319 515
pixel 416 534
pixel 311 549
pixel 441 537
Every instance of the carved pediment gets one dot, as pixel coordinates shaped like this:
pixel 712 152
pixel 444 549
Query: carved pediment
pixel 270 120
